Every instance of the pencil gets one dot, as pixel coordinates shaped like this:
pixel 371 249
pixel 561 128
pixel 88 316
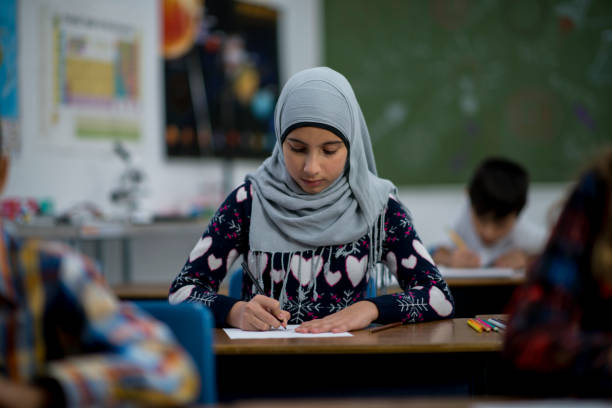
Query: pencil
pixel 499 323
pixel 259 288
pixel 255 281
pixel 385 327
pixel 487 327
pixel 474 325
pixel 494 324
pixel 459 243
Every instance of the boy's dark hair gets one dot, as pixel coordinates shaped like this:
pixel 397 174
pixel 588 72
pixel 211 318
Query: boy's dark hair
pixel 498 187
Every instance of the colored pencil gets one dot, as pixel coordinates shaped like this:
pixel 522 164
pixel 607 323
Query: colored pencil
pixel 495 324
pixel 385 327
pixel 501 324
pixel 474 325
pixel 487 327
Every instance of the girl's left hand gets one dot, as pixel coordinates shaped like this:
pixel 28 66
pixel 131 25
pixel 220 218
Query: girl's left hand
pixel 356 316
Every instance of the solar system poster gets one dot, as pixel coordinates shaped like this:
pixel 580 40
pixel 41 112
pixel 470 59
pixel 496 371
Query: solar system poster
pixel 220 78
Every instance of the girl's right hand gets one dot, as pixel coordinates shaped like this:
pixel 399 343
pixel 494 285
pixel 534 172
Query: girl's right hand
pixel 260 313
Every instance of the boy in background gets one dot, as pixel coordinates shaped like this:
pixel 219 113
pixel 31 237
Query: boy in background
pixel 488 232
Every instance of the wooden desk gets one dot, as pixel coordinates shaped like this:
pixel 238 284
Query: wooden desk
pixel 444 336
pixel 479 295
pixel 445 358
pixel 472 296
pixel 486 281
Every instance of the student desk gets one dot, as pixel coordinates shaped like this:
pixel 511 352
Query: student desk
pixel 472 296
pixel 478 294
pixel 443 357
pixel 483 295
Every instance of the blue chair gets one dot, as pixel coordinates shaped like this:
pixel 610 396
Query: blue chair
pixel 192 325
pixel 235 285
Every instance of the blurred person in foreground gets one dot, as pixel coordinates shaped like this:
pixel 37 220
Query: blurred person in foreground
pixel 559 334
pixel 65 339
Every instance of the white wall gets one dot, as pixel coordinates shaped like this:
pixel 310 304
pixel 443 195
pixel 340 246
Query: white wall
pixel 69 176
pixel 72 175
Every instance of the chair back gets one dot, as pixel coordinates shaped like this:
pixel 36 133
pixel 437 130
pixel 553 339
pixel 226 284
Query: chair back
pixel 192 325
pixel 235 284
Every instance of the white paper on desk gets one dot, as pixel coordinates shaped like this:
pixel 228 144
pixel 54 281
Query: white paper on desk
pixel 278 334
pixel 479 272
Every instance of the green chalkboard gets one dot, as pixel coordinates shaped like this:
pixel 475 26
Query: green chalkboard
pixel 443 83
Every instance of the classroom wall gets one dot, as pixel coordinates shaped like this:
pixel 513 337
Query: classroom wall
pixel 71 175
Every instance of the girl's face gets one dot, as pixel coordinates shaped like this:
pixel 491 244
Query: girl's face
pixel 314 157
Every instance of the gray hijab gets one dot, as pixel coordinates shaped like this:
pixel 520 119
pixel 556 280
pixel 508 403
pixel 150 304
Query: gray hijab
pixel 284 218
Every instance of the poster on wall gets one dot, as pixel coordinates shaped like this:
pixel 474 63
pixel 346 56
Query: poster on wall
pixel 91 69
pixel 221 78
pixel 9 79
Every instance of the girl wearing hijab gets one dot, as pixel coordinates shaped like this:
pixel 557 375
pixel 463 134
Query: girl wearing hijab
pixel 313 222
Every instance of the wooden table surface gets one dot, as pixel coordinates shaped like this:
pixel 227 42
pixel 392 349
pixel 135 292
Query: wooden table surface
pixel 160 290
pixel 444 336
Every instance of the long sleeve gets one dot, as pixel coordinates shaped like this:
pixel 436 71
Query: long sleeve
pixel 101 352
pixel 559 320
pixel 209 261
pixel 425 294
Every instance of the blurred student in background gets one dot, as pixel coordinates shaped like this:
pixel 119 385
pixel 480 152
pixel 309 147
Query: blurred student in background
pixel 65 340
pixel 560 321
pixel 488 231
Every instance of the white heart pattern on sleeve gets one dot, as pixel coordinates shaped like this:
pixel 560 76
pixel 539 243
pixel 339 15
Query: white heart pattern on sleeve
pixel 439 303
pixel 241 195
pixel 200 248
pixel 214 263
pixel 410 262
pixel 421 250
pixel 180 295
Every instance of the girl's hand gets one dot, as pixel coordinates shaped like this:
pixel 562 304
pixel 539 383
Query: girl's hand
pixel 356 316
pixel 260 313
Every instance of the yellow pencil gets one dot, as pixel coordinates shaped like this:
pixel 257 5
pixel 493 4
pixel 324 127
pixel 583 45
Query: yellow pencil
pixel 474 325
pixel 459 243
